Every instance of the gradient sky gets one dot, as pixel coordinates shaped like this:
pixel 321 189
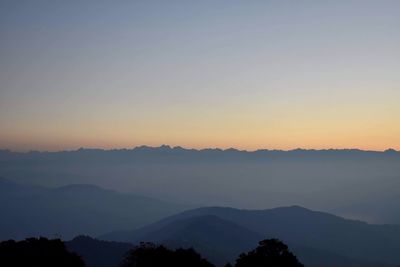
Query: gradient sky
pixel 245 74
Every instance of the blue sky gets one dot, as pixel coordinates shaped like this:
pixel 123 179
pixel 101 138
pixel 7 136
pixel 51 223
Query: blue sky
pixel 246 74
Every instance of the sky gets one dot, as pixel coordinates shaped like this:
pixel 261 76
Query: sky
pixel 243 74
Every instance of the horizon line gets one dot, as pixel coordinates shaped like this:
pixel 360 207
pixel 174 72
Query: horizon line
pixel 165 146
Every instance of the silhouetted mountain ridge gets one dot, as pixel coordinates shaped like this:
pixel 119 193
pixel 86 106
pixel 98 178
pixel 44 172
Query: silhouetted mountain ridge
pixel 143 152
pixel 305 229
pixel 319 179
pixel 74 209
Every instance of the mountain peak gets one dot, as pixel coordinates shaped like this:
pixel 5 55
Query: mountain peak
pixel 391 151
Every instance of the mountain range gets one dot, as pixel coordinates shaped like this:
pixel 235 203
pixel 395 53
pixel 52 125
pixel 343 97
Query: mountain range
pixel 71 210
pixel 353 183
pixel 219 233
pixel 317 238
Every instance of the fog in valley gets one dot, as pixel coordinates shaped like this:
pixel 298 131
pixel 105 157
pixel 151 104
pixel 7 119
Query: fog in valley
pixel 352 183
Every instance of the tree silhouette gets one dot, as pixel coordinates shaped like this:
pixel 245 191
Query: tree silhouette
pixel 37 252
pixel 269 253
pixel 151 255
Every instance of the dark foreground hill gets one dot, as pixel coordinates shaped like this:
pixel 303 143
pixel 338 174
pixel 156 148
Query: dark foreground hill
pixel 97 253
pixel 319 239
pixel 37 252
pixel 71 210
